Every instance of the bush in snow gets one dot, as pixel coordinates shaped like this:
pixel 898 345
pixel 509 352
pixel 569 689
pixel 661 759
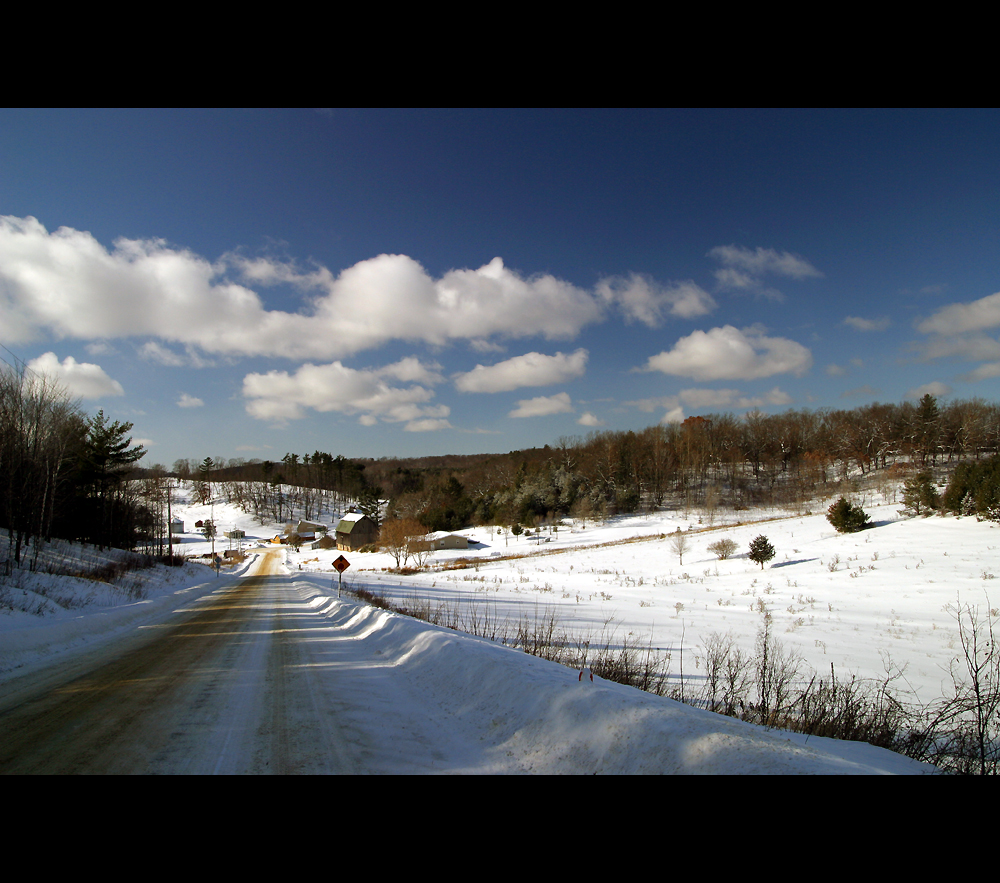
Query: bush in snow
pixel 846 517
pixel 723 548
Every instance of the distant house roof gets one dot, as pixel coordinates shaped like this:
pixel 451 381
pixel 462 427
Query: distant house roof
pixel 306 526
pixel 355 531
pixel 347 523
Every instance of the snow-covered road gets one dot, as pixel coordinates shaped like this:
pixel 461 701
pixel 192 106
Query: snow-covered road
pixel 274 674
pixel 248 679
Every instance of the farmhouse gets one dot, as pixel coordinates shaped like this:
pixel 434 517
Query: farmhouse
pixel 356 530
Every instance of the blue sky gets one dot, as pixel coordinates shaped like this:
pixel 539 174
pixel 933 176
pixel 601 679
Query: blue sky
pixel 246 283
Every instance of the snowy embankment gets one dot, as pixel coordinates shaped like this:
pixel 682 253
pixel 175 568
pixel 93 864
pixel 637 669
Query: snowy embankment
pixel 485 708
pixel 535 716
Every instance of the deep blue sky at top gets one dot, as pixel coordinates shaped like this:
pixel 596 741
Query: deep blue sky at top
pixel 894 213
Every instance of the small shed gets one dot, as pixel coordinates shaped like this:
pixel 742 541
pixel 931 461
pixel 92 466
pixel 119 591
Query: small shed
pixel 356 530
pixel 177 525
pixel 310 527
pixel 441 539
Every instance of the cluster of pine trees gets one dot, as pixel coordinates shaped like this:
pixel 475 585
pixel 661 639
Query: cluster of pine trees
pixel 64 474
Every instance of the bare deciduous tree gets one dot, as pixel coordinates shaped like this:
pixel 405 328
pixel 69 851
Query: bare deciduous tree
pixel 679 544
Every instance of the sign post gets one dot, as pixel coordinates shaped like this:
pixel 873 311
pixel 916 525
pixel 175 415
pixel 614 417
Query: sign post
pixel 341 564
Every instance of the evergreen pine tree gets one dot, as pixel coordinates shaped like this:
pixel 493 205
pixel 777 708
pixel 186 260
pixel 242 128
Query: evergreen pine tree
pixel 920 497
pixel 761 551
pixel 846 517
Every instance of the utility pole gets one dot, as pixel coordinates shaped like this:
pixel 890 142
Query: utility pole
pixel 170 526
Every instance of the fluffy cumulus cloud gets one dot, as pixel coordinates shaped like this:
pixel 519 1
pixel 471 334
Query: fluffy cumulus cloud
pixel 66 283
pixel 543 406
pixel 81 379
pixel 642 299
pixel 189 401
pixel 280 396
pixel 531 369
pixel 727 353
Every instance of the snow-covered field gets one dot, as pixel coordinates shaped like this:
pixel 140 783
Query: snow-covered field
pixel 865 603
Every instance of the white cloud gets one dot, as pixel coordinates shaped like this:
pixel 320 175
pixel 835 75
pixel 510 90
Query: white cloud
pixel 968 347
pixel 763 261
pixel 643 299
pixel 957 331
pixel 427 425
pixel 962 317
pixel 743 269
pixel 81 379
pixel 543 406
pixel 156 353
pixel 531 369
pixel 653 404
pixel 66 283
pixel 412 370
pixel 730 279
pixel 189 401
pixel 281 396
pixel 775 396
pixel 861 324
pixel 588 419
pixel 727 353
pixel 935 388
pixel 708 399
pixel 985 371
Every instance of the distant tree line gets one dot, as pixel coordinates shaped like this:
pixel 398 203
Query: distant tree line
pixel 704 463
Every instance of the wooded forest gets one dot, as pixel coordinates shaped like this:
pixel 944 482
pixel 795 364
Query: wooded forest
pixel 65 474
pixel 705 463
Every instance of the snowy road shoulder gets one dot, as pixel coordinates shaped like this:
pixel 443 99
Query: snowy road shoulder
pixel 499 710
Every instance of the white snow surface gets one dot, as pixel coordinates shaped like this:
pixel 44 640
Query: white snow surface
pixel 444 701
